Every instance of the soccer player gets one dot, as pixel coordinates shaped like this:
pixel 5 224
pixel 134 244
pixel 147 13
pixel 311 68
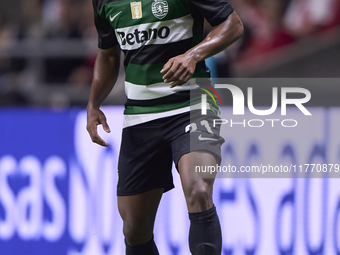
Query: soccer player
pixel 163 56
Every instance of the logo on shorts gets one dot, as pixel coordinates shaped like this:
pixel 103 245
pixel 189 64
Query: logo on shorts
pixel 201 138
pixel 136 10
pixel 159 8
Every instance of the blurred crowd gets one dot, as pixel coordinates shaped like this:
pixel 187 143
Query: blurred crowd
pixel 272 24
pixel 44 21
pixel 269 25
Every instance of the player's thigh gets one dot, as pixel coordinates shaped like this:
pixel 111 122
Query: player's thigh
pixel 138 213
pixel 198 146
pixel 188 164
pixel 197 188
pixel 140 210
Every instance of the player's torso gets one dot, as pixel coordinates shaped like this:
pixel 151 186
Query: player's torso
pixel 150 32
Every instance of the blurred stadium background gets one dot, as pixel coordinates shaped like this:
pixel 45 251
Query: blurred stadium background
pixel 57 189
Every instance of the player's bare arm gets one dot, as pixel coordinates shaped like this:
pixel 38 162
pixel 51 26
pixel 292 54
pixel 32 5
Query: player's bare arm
pixel 105 74
pixel 180 68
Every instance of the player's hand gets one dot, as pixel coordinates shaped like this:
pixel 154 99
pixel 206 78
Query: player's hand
pixel 96 117
pixel 179 69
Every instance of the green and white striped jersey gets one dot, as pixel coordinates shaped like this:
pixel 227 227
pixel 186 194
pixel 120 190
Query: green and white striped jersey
pixel 150 32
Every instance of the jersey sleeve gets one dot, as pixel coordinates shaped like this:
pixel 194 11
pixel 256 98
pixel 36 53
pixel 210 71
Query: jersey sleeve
pixel 215 11
pixel 106 33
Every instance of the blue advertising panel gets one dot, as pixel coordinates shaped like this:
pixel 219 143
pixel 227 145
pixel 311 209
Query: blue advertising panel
pixel 57 188
pixel 35 149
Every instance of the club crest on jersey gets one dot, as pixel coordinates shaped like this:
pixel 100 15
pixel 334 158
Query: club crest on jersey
pixel 160 8
pixel 136 10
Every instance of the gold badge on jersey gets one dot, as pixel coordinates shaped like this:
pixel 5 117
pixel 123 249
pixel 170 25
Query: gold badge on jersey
pixel 136 10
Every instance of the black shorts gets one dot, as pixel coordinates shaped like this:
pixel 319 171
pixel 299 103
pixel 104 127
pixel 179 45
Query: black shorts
pixel 148 149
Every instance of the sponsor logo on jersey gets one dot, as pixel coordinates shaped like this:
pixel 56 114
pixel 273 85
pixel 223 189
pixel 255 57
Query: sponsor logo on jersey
pixel 160 8
pixel 136 10
pixel 141 36
pixel 112 18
